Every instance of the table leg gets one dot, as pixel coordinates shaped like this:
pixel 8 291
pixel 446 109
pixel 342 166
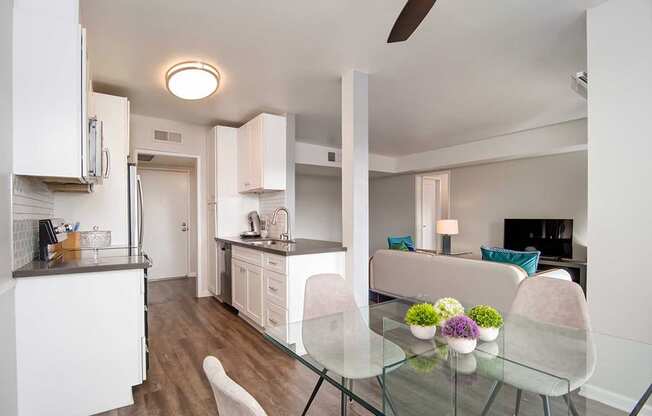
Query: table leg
pixel 344 402
pixel 639 406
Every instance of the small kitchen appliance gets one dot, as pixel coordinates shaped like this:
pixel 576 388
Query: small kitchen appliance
pixel 253 219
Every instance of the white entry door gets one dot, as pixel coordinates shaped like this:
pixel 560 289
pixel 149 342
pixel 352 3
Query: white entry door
pixel 429 213
pixel 166 221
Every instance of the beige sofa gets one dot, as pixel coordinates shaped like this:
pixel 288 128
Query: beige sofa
pixel 472 282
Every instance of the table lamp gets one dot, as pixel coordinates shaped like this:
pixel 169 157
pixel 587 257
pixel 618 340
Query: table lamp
pixel 447 228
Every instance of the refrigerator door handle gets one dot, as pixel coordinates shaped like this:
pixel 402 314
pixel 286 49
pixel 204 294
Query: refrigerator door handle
pixel 141 215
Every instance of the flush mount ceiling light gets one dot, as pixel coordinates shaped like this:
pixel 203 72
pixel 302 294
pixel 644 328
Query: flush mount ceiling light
pixel 192 80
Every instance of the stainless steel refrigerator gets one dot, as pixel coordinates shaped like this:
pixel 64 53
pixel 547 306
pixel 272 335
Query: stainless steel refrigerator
pixel 135 197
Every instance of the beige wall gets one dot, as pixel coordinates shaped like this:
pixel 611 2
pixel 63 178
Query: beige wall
pixel 483 196
pixel 318 201
pixel 545 187
pixel 391 209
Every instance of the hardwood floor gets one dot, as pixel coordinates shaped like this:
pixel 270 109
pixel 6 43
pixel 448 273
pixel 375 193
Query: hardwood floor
pixel 184 330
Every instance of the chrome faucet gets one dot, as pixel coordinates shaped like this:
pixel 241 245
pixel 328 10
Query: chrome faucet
pixel 286 236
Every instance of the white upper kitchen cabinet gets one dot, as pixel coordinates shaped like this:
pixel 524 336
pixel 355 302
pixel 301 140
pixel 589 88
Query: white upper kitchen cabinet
pixel 107 207
pixel 262 154
pixel 49 89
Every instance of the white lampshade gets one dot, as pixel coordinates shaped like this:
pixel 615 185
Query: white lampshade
pixel 447 227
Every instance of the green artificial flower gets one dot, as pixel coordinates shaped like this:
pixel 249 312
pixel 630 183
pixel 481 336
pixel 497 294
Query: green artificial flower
pixel 422 314
pixel 486 316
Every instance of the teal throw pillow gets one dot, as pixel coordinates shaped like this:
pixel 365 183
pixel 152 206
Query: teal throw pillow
pixel 527 260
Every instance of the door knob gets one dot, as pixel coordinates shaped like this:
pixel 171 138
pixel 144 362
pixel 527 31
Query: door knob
pixel 184 226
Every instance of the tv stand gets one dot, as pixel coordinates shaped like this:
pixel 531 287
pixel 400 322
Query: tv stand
pixel 576 268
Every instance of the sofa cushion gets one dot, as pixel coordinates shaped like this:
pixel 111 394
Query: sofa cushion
pixel 527 260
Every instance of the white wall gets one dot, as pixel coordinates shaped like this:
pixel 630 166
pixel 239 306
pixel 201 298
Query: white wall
pixel 7 310
pixel 620 177
pixel 483 196
pixel 318 202
pixel 545 187
pixel 391 209
pixel 620 200
pixel 194 144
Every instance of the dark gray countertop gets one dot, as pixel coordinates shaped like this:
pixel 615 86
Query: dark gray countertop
pixel 85 261
pixel 300 247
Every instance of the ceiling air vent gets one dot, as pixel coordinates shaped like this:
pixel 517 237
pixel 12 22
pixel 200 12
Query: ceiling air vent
pixel 167 136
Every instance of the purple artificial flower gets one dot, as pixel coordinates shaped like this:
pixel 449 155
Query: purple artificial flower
pixel 461 326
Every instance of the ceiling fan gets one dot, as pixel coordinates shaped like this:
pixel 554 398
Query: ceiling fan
pixel 407 22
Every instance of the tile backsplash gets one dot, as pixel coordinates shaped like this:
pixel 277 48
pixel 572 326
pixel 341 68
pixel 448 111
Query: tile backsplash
pixel 269 201
pixel 32 201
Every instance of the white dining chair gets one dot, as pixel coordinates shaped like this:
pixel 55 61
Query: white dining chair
pixel 231 398
pixel 548 329
pixel 336 335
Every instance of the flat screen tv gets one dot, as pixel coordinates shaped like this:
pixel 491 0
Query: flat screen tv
pixel 552 237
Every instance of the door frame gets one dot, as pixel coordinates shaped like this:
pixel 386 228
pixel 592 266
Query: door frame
pixel 199 292
pixel 443 177
pixel 186 173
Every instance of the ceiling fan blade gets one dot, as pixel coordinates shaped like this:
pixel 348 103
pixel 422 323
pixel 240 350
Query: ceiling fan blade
pixel 407 22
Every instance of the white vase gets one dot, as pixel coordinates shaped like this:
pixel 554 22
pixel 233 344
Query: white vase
pixel 462 345
pixel 423 332
pixel 488 334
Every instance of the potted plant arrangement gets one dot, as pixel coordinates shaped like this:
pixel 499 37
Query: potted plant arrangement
pixel 423 320
pixel 489 321
pixel 462 333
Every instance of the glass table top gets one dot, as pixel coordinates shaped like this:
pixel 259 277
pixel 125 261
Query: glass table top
pixel 416 377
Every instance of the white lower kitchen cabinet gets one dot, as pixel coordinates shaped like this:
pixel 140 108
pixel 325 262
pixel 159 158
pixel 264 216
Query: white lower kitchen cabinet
pixel 248 289
pixel 239 285
pixel 277 283
pixel 80 342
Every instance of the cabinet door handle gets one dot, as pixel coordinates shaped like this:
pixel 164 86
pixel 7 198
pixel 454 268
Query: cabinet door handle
pixel 273 289
pixel 273 263
pixel 272 321
pixel 107 168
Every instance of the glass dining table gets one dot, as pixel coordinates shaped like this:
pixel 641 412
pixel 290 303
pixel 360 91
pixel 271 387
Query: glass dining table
pixel 371 356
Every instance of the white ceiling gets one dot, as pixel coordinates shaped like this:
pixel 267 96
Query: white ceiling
pixel 474 69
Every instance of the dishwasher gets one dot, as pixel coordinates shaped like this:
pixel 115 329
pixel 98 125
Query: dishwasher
pixel 225 274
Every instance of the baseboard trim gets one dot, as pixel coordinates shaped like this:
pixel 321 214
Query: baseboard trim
pixel 162 279
pixel 204 294
pixel 612 399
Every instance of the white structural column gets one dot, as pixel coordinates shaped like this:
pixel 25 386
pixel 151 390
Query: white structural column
pixel 290 181
pixel 355 181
